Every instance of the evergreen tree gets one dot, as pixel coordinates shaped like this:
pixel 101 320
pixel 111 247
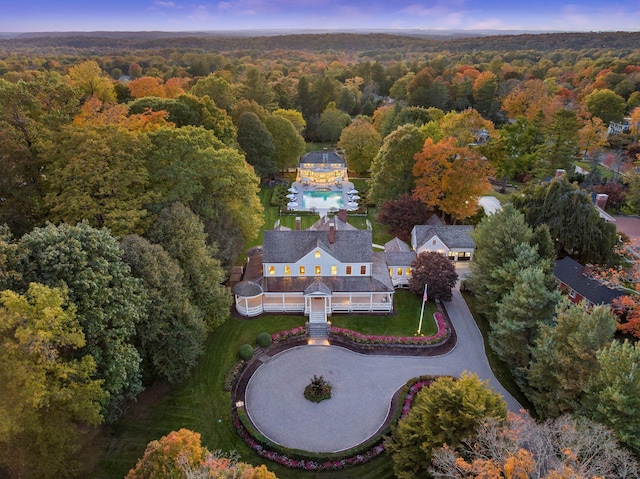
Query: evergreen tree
pixel 564 357
pixel 519 314
pixel 613 391
pixel 496 237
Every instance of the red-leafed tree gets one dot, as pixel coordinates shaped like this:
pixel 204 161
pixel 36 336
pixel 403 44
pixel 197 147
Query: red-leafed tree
pixel 437 272
pixel 628 309
pixel 450 177
pixel 401 215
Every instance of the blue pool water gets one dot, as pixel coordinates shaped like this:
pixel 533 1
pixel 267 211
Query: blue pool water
pixel 322 199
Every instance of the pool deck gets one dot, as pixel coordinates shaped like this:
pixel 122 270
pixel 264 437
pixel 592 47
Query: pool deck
pixel 344 187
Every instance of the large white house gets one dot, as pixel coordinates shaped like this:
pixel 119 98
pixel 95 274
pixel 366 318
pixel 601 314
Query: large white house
pixel 331 268
pixel 328 268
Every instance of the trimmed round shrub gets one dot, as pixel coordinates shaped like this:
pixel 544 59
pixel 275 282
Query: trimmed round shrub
pixel 245 352
pixel 264 340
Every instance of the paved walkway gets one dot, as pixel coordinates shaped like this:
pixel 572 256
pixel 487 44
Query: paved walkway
pixel 363 386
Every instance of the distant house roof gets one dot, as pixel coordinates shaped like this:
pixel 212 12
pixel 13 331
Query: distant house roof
pixel 349 246
pixel 322 157
pixel 396 245
pixel 454 236
pixel 571 273
pixel 434 220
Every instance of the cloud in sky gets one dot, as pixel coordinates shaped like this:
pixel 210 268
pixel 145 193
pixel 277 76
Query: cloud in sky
pixel 48 15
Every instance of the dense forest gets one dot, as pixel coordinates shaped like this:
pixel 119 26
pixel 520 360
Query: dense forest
pixel 131 166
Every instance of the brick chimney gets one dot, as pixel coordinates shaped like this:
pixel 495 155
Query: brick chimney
pixel 560 173
pixel 342 214
pixel 332 232
pixel 588 270
pixel 601 200
pixel 298 223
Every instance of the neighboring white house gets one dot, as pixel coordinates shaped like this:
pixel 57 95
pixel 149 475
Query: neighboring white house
pixel 328 268
pixel 453 241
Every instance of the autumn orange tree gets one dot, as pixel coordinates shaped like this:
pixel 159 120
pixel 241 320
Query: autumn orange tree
pixel 180 455
pixel 451 178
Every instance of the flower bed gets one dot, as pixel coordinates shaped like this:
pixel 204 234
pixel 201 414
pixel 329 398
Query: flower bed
pixel 442 334
pixel 288 334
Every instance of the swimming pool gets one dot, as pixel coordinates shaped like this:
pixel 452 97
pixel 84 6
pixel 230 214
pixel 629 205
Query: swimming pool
pixel 322 199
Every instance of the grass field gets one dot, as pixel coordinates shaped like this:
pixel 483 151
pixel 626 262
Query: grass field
pixel 200 404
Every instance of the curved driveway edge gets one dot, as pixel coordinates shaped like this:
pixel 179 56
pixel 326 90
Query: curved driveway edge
pixel 363 387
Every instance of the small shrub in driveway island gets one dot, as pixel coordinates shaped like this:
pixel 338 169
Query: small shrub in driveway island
pixel 246 351
pixel 318 390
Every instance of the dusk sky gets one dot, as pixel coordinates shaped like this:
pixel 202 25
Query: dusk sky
pixel 188 15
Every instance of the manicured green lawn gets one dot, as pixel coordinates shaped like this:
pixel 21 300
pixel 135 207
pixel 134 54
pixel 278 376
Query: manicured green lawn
pixel 404 323
pixel 200 404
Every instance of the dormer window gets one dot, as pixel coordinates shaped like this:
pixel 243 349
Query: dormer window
pixel 302 271
pixel 349 269
pixel 363 269
pixel 317 253
pixel 272 270
pixel 334 270
pixel 287 270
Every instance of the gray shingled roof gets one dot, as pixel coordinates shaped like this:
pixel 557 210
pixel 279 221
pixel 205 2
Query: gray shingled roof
pixel 396 245
pixel 570 272
pixel 350 246
pixel 336 284
pixel 247 289
pixel 317 286
pixel 322 157
pixel 454 236
pixel 400 259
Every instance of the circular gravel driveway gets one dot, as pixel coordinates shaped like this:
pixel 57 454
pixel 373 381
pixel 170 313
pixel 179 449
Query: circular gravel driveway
pixel 363 386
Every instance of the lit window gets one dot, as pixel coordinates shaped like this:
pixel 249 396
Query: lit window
pixel 334 270
pixel 408 271
pixel 399 271
pixel 363 270
pixel 287 270
pixel 302 271
pixel 390 272
pixel 317 253
pixel 318 270
pixel 272 270
pixel 349 269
